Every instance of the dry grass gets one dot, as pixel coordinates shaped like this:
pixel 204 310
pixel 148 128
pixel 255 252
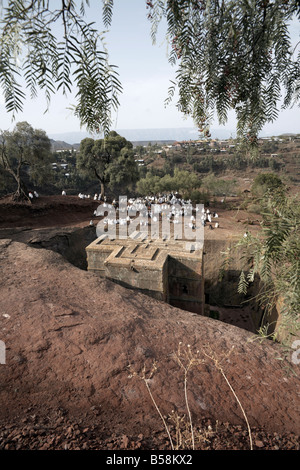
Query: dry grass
pixel 185 436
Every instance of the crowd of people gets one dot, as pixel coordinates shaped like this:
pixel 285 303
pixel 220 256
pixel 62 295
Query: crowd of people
pixel 172 206
pixel 207 216
pixel 152 209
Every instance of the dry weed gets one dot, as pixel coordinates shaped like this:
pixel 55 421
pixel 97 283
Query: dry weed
pixel 187 359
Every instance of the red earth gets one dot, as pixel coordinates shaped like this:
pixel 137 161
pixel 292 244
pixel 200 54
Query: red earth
pixel 92 365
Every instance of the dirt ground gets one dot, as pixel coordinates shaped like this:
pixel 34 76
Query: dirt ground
pixel 46 211
pixel 59 211
pixel 89 363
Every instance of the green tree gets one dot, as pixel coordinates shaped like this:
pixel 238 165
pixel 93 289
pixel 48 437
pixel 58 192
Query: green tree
pixel 22 148
pixel 185 180
pixel 274 255
pixel 197 197
pixel 269 147
pixel 265 182
pixel 167 184
pixel 123 170
pixel 149 185
pixel 169 166
pixel 102 159
pixel 181 181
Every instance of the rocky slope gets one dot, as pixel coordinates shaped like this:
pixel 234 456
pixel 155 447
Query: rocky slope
pixel 70 338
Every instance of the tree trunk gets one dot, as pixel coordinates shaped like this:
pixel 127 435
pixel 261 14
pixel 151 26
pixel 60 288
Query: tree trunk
pixel 102 190
pixel 21 193
pixel 102 184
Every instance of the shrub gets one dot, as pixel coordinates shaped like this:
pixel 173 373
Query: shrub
pixel 197 197
pixel 254 208
pixel 266 182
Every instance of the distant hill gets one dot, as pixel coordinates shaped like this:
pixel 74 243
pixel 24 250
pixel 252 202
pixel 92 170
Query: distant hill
pixel 62 145
pixel 69 140
pixel 147 142
pixel 146 135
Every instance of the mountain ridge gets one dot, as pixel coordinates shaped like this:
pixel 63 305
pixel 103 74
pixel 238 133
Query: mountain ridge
pixel 69 140
pixel 144 135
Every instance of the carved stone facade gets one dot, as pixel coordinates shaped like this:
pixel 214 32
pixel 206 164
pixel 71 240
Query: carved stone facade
pixel 166 269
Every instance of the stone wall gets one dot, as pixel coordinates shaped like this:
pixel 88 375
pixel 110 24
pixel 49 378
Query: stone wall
pixel 221 280
pixel 164 269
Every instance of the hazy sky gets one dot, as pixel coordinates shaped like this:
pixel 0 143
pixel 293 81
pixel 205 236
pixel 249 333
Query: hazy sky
pixel 145 75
